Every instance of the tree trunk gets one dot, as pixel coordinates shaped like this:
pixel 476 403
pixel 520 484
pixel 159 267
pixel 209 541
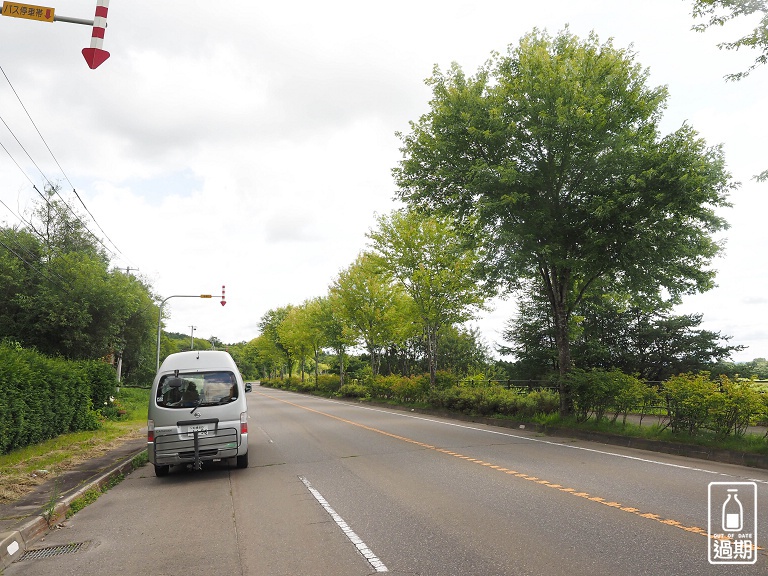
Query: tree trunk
pixel 341 367
pixel 432 356
pixel 317 358
pixel 556 284
pixel 564 364
pixel 374 358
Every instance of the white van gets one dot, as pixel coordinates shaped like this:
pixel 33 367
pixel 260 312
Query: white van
pixel 197 412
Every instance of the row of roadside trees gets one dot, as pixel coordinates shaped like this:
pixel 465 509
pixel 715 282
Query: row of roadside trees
pixel 543 176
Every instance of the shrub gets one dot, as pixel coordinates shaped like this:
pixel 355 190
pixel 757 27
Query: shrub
pixel 689 398
pixel 410 389
pixel 353 391
pixel 735 407
pixel 542 402
pixel 102 381
pixel 597 391
pixel 443 379
pixel 633 393
pixel 328 383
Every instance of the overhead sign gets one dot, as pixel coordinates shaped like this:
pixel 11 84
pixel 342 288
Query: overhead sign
pixel 28 11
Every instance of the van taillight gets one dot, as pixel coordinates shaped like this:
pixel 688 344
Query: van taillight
pixel 150 431
pixel 243 422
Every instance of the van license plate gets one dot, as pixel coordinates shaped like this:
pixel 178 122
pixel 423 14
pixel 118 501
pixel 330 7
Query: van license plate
pixel 201 429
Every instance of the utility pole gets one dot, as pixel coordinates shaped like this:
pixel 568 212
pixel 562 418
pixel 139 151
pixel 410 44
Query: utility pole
pixel 127 270
pixel 192 337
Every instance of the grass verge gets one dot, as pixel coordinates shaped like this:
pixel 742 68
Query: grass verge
pixel 24 469
pixel 748 443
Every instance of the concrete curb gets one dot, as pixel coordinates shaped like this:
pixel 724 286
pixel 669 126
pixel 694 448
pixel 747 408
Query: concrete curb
pixel 14 544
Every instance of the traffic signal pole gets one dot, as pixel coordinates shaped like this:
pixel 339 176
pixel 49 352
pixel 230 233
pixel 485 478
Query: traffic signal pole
pixel 160 314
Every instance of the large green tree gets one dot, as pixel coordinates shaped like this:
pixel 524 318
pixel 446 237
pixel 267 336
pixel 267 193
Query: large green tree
pixel 57 294
pixel 311 323
pixel 339 335
pixel 371 303
pixel 270 329
pixel 463 352
pixel 553 152
pixel 298 334
pixel 436 268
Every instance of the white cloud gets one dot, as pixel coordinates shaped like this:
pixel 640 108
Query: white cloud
pixel 251 144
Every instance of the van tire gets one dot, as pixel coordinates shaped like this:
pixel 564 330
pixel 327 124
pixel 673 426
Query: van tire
pixel 242 461
pixel 161 471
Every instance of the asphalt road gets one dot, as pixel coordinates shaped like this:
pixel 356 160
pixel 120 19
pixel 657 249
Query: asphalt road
pixel 337 489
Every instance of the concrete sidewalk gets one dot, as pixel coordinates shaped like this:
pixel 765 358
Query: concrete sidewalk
pixel 23 521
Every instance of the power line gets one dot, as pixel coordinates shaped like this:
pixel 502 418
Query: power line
pixel 54 188
pixel 62 285
pixel 17 164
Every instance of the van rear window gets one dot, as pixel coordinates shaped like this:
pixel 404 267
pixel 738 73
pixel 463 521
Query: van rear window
pixel 194 389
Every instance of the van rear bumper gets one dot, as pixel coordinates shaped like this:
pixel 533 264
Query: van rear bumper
pixel 171 447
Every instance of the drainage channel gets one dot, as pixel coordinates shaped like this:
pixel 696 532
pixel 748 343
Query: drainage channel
pixel 52 551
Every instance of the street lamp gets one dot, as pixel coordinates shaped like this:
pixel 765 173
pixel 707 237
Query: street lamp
pixel 192 337
pixel 160 314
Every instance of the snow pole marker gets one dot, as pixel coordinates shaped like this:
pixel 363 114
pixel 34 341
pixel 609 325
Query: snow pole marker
pixel 95 55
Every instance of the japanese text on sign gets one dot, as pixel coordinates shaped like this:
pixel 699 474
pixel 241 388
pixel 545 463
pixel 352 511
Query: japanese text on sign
pixel 28 11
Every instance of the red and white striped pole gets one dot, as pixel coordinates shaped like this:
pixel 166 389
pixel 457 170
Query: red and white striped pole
pixel 94 55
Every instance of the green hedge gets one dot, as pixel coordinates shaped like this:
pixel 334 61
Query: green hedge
pixel 492 400
pixel 42 397
pixel 600 392
pixel 469 399
pixel 693 402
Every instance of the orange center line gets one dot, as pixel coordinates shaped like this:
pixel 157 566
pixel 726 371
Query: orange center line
pixel 572 491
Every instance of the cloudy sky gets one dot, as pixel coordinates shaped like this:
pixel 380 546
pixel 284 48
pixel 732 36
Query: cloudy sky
pixel 250 144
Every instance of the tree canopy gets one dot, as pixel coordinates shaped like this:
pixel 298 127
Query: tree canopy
pixel 720 12
pixel 372 304
pixel 436 268
pixel 60 296
pixel 552 154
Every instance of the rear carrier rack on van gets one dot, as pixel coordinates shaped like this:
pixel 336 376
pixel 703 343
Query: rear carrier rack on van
pixel 195 441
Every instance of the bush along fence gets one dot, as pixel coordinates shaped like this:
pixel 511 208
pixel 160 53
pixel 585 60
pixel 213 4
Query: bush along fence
pixel 687 403
pixel 468 397
pixel 42 397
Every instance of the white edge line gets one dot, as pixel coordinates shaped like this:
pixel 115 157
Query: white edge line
pixel 539 440
pixel 362 548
